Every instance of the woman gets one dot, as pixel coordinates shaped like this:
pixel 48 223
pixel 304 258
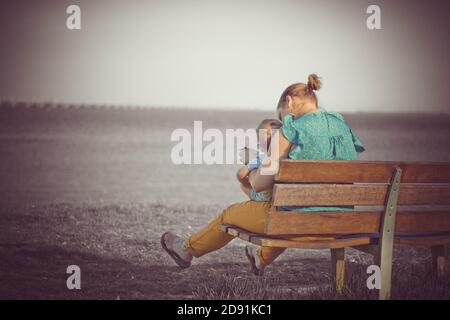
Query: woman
pixel 308 133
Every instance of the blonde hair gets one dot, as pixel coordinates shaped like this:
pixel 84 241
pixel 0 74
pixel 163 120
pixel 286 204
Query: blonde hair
pixel 301 90
pixel 269 125
pixel 272 123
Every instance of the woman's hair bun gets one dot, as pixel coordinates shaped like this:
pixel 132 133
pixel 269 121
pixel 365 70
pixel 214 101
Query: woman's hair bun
pixel 314 82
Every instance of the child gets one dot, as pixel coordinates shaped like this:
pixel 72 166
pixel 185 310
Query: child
pixel 252 160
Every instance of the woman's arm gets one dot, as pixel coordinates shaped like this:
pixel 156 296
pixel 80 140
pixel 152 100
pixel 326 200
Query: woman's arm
pixel 260 181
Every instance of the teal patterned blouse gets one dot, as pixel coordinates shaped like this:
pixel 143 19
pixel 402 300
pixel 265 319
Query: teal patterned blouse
pixel 321 135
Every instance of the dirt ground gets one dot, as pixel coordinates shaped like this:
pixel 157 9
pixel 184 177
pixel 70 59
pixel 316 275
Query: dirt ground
pixel 96 188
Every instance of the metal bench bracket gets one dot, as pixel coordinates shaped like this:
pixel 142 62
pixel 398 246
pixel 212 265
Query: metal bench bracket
pixel 386 244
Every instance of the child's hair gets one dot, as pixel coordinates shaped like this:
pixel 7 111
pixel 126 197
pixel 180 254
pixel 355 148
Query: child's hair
pixel 271 123
pixel 302 90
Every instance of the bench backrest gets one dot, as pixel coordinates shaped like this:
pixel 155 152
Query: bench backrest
pixel 424 188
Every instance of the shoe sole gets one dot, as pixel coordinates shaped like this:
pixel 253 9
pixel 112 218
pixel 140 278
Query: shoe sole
pixel 179 261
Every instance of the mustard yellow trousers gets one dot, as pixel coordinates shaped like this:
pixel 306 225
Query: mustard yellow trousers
pixel 248 215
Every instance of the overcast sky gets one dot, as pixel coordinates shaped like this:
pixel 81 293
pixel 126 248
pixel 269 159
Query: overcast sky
pixel 227 54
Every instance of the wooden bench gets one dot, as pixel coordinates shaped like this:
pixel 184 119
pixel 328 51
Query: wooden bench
pixel 410 198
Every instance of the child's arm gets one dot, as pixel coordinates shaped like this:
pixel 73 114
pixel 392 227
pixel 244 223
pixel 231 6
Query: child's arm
pixel 246 190
pixel 242 176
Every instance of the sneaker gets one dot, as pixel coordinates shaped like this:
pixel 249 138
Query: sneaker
pixel 255 261
pixel 174 246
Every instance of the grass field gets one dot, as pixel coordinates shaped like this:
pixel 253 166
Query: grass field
pixel 96 188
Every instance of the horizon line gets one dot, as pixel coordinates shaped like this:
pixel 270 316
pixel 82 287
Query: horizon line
pixel 107 106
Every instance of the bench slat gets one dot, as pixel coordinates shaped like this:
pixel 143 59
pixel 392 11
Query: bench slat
pixel 348 171
pixel 423 241
pixel 307 242
pixel 286 223
pixel 316 242
pixel 237 232
pixel 311 244
pixel 358 194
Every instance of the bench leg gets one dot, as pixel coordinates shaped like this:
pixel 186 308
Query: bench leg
pixel 438 258
pixel 338 268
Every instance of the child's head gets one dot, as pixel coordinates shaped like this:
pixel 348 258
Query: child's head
pixel 267 126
